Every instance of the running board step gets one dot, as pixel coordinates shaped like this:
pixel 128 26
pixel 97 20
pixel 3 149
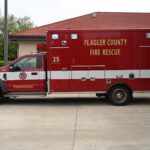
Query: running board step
pixel 25 94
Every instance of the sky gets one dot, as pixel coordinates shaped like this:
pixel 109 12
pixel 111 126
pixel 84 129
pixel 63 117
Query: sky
pixel 48 11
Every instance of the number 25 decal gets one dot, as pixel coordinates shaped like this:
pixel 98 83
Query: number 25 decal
pixel 56 59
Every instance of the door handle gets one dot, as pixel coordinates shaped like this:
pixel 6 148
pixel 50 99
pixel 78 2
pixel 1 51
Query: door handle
pixel 5 76
pixel 83 79
pixel 64 69
pixel 34 73
pixel 92 78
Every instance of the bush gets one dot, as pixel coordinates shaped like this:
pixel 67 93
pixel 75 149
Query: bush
pixel 1 63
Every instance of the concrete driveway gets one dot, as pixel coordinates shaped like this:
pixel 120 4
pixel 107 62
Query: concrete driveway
pixel 74 124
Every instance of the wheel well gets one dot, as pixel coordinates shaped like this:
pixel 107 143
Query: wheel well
pixel 120 84
pixel 1 92
pixel 3 88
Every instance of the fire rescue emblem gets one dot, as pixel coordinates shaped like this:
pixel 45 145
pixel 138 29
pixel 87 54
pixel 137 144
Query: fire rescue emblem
pixel 22 75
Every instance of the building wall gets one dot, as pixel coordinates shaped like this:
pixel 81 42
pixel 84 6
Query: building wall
pixel 27 47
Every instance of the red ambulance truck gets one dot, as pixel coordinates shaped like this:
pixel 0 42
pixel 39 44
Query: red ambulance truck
pixel 114 63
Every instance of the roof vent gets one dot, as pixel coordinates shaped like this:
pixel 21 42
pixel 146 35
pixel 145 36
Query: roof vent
pixel 94 14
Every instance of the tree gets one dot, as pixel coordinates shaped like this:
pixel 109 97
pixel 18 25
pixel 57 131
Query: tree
pixel 1 36
pixel 14 25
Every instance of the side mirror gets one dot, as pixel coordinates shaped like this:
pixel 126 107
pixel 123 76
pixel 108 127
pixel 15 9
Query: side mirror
pixel 11 67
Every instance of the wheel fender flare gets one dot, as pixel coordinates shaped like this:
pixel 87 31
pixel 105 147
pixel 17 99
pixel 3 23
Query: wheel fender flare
pixel 120 84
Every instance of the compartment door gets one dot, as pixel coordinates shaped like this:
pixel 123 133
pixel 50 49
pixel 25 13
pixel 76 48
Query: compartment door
pixel 97 78
pixel 79 78
pixel 145 67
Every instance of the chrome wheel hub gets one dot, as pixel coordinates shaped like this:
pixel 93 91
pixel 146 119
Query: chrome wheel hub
pixel 119 95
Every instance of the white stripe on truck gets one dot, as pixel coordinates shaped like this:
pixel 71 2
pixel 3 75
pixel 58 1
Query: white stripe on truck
pixel 15 75
pixel 62 75
pixel 111 74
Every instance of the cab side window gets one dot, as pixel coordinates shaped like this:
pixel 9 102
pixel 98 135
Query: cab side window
pixel 31 62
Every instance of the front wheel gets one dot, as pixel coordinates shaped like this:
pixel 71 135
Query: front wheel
pixel 119 95
pixel 1 100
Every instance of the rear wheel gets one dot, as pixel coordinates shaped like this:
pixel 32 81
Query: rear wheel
pixel 119 95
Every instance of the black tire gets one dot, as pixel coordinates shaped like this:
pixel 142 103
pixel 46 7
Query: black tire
pixel 1 97
pixel 1 100
pixel 119 95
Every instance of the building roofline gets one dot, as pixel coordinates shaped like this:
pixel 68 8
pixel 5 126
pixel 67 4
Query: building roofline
pixel 40 32
pixel 27 38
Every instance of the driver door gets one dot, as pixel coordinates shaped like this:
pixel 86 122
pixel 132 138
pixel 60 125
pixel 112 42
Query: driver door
pixel 26 75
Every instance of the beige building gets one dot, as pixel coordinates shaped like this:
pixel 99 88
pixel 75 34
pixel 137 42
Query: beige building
pixel 101 20
pixel 27 47
pixel 27 44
